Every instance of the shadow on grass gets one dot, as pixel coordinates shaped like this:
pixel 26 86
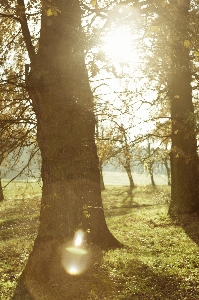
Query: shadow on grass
pixel 93 284
pixel 138 281
pixel 15 228
pixel 121 202
pixel 190 224
pixel 125 209
pixel 133 281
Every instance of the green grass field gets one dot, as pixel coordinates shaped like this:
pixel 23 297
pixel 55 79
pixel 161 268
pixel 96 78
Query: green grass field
pixel 159 260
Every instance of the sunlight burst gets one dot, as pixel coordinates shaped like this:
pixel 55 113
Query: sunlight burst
pixel 118 45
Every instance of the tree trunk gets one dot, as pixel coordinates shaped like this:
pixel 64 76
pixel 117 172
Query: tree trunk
pixel 131 182
pixel 151 175
pixel 184 166
pixel 1 188
pixel 71 197
pixel 150 164
pixel 1 191
pixel 102 185
pixel 168 170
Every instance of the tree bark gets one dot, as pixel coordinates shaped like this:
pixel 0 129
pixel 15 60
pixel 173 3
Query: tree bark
pixel 71 197
pixel 1 191
pixel 150 164
pixel 151 175
pixel 127 157
pixel 102 185
pixel 131 182
pixel 168 170
pixel 63 102
pixel 184 160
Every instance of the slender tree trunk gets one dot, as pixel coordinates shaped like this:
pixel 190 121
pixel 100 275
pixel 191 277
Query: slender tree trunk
pixel 102 185
pixel 184 167
pixel 1 188
pixel 151 175
pixel 150 164
pixel 1 191
pixel 71 196
pixel 168 170
pixel 127 157
pixel 131 182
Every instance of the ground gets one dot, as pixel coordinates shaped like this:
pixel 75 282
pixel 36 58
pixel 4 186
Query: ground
pixel 159 260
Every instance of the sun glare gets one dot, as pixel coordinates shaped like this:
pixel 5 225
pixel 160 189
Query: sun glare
pixel 118 45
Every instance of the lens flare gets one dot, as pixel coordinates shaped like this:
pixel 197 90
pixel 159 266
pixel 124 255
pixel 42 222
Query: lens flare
pixel 76 250
pixel 79 235
pixel 75 257
pixel 73 270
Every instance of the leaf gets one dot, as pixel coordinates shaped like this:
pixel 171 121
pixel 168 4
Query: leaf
pixel 196 53
pixel 93 3
pixel 187 43
pixel 163 3
pixel 154 29
pixel 52 11
pixel 49 12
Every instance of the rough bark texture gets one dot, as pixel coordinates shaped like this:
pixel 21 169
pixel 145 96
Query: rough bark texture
pixel 184 160
pixel 71 197
pixel 62 99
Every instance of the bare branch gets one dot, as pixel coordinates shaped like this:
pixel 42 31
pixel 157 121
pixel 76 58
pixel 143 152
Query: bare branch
pixel 25 30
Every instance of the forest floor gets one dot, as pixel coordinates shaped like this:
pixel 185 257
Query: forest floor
pixel 159 260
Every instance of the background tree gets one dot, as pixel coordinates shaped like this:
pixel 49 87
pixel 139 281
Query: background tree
pixel 170 33
pixel 106 148
pixel 17 120
pixel 184 159
pixel 175 17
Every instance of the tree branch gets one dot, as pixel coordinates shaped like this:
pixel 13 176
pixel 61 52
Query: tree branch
pixel 25 30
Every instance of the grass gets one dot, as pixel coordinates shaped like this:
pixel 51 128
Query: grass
pixel 19 190
pixel 19 215
pixel 160 259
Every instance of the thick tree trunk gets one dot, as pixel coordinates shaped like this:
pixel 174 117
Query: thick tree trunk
pixel 184 166
pixel 63 103
pixel 62 100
